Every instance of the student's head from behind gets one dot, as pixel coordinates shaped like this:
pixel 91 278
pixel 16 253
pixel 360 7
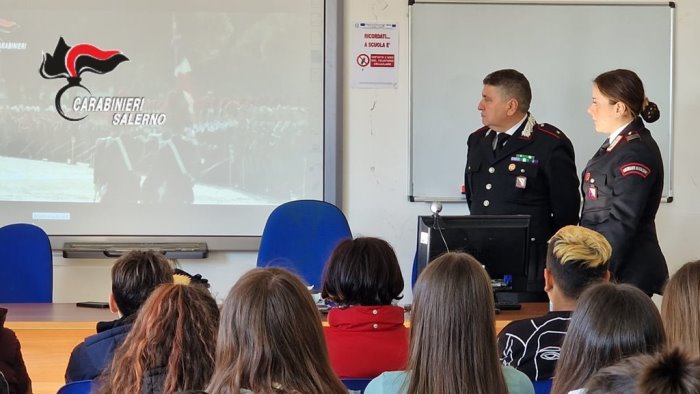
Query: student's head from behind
pixel 505 99
pixel 134 276
pixel 453 343
pixel 679 308
pixel 362 271
pixel 175 330
pixel 271 336
pixel 611 322
pixel 671 371
pixel 576 258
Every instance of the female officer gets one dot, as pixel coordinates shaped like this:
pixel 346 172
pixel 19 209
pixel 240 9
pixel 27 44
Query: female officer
pixel 623 181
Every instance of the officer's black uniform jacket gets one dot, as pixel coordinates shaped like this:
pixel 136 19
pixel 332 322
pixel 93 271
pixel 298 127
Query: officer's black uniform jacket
pixel 543 158
pixel 621 189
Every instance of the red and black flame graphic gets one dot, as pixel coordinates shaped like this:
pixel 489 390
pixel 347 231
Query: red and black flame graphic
pixel 70 62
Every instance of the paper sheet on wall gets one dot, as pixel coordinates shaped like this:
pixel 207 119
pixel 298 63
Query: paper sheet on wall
pixel 375 55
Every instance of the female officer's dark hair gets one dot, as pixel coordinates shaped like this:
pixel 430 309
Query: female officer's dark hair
pixel 625 86
pixel 362 271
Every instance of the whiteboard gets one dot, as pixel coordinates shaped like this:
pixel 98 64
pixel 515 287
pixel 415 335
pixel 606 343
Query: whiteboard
pixel 559 47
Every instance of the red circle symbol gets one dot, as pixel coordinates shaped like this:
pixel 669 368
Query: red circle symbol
pixel 362 60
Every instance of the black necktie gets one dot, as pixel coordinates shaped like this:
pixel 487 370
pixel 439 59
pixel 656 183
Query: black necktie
pixel 500 140
pixel 605 145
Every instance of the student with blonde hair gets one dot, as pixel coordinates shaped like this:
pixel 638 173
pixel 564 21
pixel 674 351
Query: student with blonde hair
pixel 270 339
pixel 453 345
pixel 576 258
pixel 171 346
pixel 679 308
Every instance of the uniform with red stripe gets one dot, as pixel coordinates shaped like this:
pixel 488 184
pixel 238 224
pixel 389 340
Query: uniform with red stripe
pixel 550 192
pixel 542 182
pixel 621 189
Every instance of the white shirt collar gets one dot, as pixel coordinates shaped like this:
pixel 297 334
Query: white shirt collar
pixel 515 127
pixel 617 132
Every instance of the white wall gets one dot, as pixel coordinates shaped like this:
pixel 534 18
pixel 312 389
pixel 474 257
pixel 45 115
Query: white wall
pixel 375 165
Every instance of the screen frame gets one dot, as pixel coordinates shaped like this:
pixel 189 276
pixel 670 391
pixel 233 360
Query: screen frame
pixel 428 234
pixel 332 153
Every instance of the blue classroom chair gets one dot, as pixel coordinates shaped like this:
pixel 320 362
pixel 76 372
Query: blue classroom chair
pixel 356 384
pixel 77 387
pixel 300 236
pixel 26 264
pixel 542 386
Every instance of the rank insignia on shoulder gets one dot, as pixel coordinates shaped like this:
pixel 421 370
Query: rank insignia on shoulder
pixel 631 136
pixel 635 169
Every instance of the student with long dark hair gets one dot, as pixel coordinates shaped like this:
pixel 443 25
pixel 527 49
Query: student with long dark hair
pixel 270 339
pixel 679 308
pixel 171 346
pixel 453 342
pixel 611 322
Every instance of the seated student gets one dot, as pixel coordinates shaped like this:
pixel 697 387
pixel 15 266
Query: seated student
pixel 453 344
pixel 134 276
pixel 671 371
pixel 611 322
pixel 270 339
pixel 679 308
pixel 576 258
pixel 366 334
pixel 170 347
pixel 11 361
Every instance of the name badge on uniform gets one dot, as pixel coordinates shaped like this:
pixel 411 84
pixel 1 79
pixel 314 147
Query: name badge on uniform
pixel 592 193
pixel 520 182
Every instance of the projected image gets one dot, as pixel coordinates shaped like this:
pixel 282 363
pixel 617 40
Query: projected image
pixel 215 107
pixel 159 118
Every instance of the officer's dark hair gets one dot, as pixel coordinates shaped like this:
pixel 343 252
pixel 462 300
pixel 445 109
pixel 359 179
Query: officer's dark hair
pixel 624 86
pixel 577 257
pixel 362 271
pixel 514 85
pixel 134 277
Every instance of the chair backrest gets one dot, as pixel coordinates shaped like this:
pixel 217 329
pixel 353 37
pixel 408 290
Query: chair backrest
pixel 356 385
pixel 77 387
pixel 300 236
pixel 26 264
pixel 542 386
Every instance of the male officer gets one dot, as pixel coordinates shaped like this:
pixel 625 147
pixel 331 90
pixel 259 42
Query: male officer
pixel 518 166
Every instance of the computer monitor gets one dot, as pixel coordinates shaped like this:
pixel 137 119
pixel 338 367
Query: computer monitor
pixel 499 242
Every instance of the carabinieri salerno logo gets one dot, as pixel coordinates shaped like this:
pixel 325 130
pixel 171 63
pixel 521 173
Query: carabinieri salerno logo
pixel 70 62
